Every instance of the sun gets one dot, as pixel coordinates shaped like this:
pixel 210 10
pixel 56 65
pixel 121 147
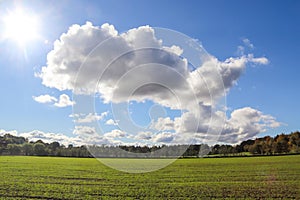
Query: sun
pixel 20 26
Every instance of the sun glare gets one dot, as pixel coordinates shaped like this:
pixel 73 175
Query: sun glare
pixel 20 27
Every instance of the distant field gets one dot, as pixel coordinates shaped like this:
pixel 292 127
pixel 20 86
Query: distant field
pixel 84 178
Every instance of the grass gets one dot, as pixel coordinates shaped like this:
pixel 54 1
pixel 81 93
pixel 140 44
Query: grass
pixel 84 178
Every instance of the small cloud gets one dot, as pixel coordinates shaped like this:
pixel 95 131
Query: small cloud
pixel 163 124
pixel 174 49
pixel 44 99
pixel 116 133
pixel 260 60
pixel 240 50
pixel 64 101
pixel 246 46
pixel 91 117
pixel 164 137
pixel 144 135
pixel 80 130
pixel 111 122
pixel 248 43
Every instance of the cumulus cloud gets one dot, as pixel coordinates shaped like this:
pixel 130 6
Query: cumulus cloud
pixel 116 133
pixel 12 132
pixel 44 98
pixel 90 117
pixel 164 137
pixel 163 124
pixel 136 66
pixel 64 101
pixel 123 66
pixel 244 123
pixel 72 49
pixel 143 135
pixel 83 130
pixel 219 76
pixel 247 123
pixel 174 49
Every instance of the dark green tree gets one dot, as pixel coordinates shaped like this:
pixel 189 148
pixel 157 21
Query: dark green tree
pixel 27 149
pixel 14 149
pixel 39 149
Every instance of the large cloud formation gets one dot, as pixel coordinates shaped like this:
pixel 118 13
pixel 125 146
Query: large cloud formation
pixel 135 65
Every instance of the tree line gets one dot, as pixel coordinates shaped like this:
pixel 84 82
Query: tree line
pixel 14 145
pixel 280 144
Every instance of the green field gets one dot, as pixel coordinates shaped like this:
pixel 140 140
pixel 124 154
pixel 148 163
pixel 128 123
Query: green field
pixel 86 178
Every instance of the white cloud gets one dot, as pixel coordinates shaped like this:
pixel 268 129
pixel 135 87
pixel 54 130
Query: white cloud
pixel 214 78
pixel 246 46
pixel 51 137
pixel 174 49
pixel 120 78
pixel 44 98
pixel 116 133
pixel 248 43
pixel 163 124
pixel 111 122
pixel 240 50
pixel 64 101
pixel 244 123
pixel 143 135
pixel 91 117
pixel 64 60
pixel 163 75
pixel 164 137
pixel 250 122
pixel 261 60
pixel 12 132
pixel 83 130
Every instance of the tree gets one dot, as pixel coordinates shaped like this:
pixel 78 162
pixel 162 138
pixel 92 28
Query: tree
pixel 204 149
pixel 14 149
pixel 281 143
pixel 28 149
pixel 257 147
pixel 53 148
pixel 268 144
pixel 294 142
pixel 244 146
pixel 225 149
pixel 215 149
pixel 39 149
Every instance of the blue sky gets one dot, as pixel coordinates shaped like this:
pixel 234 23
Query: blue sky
pixel 272 27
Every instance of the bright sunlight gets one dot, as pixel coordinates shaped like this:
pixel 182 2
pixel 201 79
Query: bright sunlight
pixel 20 27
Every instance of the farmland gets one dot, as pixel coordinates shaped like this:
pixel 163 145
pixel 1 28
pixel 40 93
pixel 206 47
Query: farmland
pixel 86 178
